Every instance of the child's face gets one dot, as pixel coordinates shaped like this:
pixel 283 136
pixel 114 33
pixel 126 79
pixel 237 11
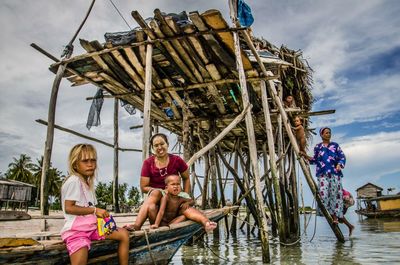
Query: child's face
pixel 297 121
pixel 174 185
pixel 86 166
pixel 289 99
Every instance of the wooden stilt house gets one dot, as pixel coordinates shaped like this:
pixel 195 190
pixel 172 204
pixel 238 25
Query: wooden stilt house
pixel 220 90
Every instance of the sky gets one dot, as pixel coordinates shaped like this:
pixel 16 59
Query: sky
pixel 352 46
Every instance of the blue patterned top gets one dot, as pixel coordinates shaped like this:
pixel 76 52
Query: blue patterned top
pixel 327 157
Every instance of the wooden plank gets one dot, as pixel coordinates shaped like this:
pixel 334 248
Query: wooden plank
pixel 223 55
pixel 153 36
pixel 135 77
pixel 175 52
pixel 177 44
pixel 119 72
pixel 194 55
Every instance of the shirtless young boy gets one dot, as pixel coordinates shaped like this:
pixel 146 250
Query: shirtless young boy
pixel 300 135
pixel 175 209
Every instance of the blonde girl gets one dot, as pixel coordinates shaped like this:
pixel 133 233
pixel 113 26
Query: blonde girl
pixel 80 211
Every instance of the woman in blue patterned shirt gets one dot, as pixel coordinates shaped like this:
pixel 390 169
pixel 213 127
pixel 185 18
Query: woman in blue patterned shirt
pixel 330 160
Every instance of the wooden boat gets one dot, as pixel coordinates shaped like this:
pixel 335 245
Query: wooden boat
pixel 148 246
pixel 380 207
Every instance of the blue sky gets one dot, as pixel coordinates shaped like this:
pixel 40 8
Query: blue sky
pixel 352 46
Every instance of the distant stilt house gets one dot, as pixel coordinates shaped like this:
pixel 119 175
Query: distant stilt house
pixel 367 191
pixel 15 194
pixel 372 203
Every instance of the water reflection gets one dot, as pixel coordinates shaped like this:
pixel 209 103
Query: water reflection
pixel 374 241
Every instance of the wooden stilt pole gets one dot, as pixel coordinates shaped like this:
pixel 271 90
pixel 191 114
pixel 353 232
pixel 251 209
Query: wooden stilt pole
pixel 147 103
pixel 221 191
pixel 262 220
pixel 204 195
pixel 268 186
pixel 115 180
pixel 272 160
pixel 49 139
pixel 234 194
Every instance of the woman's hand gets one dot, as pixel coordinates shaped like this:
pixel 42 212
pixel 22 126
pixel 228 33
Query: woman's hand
pixel 101 213
pixel 338 168
pixel 154 226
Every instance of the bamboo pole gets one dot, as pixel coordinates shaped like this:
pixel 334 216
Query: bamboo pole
pixel 262 220
pixel 115 180
pixel 86 137
pixel 304 166
pixel 147 103
pixel 219 136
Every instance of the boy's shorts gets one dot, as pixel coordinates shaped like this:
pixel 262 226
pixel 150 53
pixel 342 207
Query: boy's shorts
pixel 81 239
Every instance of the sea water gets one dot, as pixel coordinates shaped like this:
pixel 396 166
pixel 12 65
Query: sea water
pixel 374 241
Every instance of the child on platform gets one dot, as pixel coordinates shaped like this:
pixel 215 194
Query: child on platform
pixel 175 209
pixel 300 135
pixel 80 213
pixel 348 201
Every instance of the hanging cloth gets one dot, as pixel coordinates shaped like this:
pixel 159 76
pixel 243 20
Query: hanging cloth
pixel 244 14
pixel 95 109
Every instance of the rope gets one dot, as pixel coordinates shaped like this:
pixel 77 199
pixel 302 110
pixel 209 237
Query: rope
pixel 212 251
pixel 148 246
pixel 116 8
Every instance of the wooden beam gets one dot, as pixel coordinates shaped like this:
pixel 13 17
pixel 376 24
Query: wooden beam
pixel 87 137
pixel 219 137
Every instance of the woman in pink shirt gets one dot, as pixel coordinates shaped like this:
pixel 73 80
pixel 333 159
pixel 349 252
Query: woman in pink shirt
pixel 152 178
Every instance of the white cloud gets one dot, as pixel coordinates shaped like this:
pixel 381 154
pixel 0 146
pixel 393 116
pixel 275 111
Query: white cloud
pixel 335 36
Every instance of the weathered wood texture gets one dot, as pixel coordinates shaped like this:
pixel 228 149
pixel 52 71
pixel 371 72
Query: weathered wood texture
pixel 192 54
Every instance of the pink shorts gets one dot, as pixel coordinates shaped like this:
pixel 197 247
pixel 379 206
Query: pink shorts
pixel 80 239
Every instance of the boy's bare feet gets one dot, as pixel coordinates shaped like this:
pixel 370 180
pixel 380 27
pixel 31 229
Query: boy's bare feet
pixel 209 226
pixel 351 228
pixel 335 220
pixel 131 228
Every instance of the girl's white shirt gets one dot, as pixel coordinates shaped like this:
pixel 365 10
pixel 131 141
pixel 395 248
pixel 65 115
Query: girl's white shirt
pixel 74 189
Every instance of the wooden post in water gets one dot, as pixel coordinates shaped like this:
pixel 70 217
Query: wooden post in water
pixel 147 103
pixel 284 225
pixel 234 193
pixel 115 179
pixel 49 138
pixel 262 220
pixel 268 186
pixel 272 160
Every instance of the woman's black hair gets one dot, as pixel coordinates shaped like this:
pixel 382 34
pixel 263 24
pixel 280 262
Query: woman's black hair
pixel 159 135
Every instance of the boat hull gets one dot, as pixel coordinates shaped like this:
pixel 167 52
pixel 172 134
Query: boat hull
pixel 146 246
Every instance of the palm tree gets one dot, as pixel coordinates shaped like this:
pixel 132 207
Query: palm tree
pixel 54 179
pixel 21 169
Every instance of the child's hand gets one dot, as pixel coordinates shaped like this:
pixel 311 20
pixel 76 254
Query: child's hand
pixel 101 213
pixel 154 226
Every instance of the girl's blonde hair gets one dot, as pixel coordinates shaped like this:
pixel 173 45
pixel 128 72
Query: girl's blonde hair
pixel 78 153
